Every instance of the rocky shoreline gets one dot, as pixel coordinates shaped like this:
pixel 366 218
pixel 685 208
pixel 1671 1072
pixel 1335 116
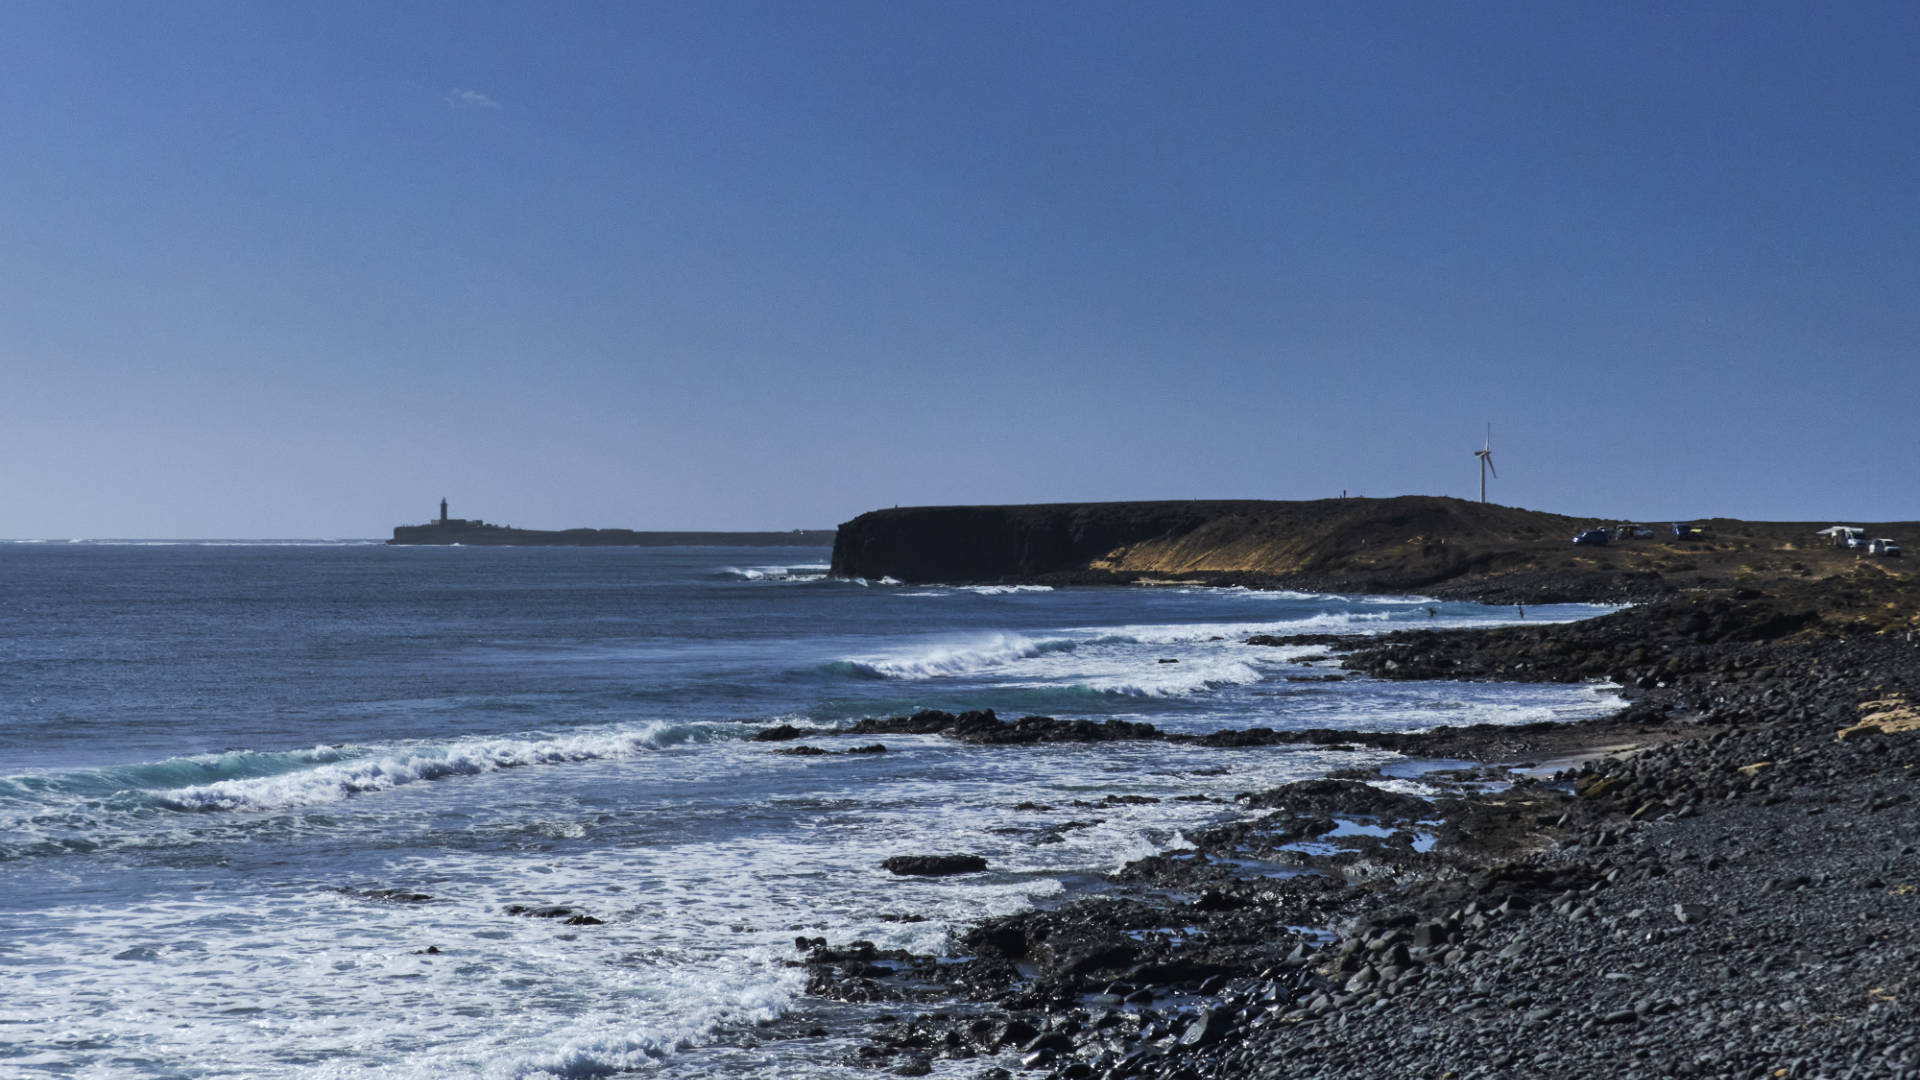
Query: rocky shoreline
pixel 1722 881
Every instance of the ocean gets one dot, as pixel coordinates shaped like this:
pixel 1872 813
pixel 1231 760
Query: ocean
pixel 265 807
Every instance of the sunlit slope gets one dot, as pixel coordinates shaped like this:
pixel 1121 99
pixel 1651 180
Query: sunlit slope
pixel 1416 537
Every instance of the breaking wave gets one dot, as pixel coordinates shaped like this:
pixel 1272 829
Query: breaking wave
pixel 1106 660
pixel 254 780
pixel 955 658
pixel 800 572
pixel 1174 680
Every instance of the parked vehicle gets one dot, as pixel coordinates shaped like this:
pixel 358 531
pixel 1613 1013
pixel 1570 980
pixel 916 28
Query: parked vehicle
pixel 1684 531
pixel 1595 537
pixel 1884 547
pixel 1846 536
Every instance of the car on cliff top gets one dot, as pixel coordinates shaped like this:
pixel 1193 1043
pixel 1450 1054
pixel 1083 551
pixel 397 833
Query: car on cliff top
pixel 1592 537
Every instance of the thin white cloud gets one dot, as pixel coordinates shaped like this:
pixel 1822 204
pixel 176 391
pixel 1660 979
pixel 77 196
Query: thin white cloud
pixel 470 99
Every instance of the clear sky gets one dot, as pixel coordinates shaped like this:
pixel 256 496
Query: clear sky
pixel 303 269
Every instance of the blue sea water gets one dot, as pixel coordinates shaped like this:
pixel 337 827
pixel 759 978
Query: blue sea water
pixel 214 757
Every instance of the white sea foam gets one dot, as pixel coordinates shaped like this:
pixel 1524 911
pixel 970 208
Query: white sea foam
pixel 696 926
pixel 802 572
pixel 1368 705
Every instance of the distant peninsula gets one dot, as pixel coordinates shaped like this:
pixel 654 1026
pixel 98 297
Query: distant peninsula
pixel 447 531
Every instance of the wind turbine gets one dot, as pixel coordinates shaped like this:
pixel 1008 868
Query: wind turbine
pixel 1485 454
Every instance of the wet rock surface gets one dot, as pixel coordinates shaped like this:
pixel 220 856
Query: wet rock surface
pixel 934 865
pixel 560 912
pixel 1477 742
pixel 985 728
pixel 1720 881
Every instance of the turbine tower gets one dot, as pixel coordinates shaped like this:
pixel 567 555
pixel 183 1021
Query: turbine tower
pixel 1485 454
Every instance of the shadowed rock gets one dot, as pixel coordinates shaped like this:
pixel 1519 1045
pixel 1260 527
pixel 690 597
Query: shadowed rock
pixel 934 865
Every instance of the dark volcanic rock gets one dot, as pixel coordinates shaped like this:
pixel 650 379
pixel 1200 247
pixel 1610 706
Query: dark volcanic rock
pixel 985 728
pixel 388 896
pixel 1300 639
pixel 1642 646
pixel 565 914
pixel 934 865
pixel 1338 797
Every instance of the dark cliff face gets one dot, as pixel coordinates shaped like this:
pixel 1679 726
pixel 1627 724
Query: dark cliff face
pixel 1247 536
pixel 996 543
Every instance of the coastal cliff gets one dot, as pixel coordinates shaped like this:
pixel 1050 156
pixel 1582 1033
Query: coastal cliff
pixel 1434 545
pixel 1399 542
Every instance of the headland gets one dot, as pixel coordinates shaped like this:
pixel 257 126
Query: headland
pixel 1720 880
pixel 468 532
pixel 1435 546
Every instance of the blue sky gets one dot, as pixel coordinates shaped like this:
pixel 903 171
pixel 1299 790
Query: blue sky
pixel 301 270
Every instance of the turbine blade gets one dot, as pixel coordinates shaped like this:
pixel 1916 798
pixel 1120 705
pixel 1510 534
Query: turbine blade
pixel 1491 469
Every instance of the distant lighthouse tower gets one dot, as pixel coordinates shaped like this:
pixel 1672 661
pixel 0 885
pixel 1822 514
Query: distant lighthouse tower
pixel 443 511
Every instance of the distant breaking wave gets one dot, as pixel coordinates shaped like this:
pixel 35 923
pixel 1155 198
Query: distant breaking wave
pixel 338 780
pixel 801 572
pixel 956 658
pixel 1118 660
pixel 253 780
pixel 1174 680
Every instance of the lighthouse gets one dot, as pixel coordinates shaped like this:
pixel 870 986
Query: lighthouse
pixel 443 511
